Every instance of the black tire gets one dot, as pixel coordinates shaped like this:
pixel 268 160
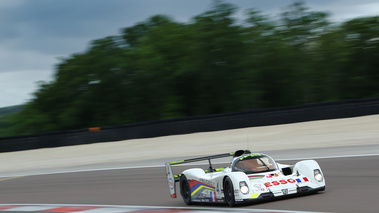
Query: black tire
pixel 185 190
pixel 229 192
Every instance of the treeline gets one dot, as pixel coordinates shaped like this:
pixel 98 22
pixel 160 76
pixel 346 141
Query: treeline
pixel 160 69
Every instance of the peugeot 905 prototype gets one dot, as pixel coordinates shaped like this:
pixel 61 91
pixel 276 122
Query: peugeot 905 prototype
pixel 250 176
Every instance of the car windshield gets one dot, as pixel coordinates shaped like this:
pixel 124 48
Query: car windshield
pixel 253 164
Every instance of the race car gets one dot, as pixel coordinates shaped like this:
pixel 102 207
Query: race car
pixel 249 177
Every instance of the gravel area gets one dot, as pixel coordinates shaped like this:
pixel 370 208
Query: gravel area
pixel 326 133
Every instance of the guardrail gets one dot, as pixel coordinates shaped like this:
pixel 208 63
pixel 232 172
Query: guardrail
pixel 252 118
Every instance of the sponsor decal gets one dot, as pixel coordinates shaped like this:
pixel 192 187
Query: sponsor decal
pixel 305 179
pixel 258 187
pixel 171 183
pixel 268 176
pixel 207 182
pixel 279 182
pixel 213 196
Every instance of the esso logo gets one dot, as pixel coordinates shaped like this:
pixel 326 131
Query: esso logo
pixel 279 182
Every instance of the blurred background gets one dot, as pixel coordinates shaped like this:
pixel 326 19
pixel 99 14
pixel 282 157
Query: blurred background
pixel 221 60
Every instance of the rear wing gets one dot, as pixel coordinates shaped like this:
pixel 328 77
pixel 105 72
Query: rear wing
pixel 172 179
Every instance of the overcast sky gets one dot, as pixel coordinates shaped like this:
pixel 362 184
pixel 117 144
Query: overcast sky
pixel 36 33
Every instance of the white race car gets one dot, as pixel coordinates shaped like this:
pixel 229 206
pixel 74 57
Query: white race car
pixel 250 176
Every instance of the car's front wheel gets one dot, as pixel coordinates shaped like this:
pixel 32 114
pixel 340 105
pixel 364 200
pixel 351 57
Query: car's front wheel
pixel 229 192
pixel 185 190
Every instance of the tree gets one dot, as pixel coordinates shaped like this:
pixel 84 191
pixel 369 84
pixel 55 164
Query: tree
pixel 160 69
pixel 361 37
pixel 300 28
pixel 219 50
pixel 268 62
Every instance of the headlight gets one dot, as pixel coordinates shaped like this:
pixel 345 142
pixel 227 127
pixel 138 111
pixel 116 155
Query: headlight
pixel 244 188
pixel 318 175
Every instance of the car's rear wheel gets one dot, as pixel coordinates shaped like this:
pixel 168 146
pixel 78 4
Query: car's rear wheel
pixel 229 192
pixel 185 190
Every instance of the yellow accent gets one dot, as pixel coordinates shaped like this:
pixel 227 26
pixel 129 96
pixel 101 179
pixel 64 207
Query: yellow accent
pixel 216 170
pixel 179 161
pixel 255 195
pixel 2 179
pixel 251 155
pixel 256 177
pixel 200 187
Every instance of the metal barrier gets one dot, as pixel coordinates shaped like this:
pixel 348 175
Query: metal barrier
pixel 252 118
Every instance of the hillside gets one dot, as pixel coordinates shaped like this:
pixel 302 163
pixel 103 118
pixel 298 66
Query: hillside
pixel 10 109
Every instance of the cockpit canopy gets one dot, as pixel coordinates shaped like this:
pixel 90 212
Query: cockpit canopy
pixel 254 163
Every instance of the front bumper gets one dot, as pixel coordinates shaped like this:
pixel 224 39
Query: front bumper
pixel 305 190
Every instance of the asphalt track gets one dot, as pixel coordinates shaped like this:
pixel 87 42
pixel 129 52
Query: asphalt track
pixel 131 172
pixel 352 186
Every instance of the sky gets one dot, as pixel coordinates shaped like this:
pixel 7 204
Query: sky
pixel 36 34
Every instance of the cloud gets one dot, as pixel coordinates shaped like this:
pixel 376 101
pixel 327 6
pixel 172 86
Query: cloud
pixel 18 87
pixel 363 9
pixel 19 73
pixel 14 60
pixel 343 10
pixel 36 32
pixel 55 27
pixel 66 26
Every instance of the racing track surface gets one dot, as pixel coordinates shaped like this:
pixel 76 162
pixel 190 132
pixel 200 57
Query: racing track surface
pixel 352 186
